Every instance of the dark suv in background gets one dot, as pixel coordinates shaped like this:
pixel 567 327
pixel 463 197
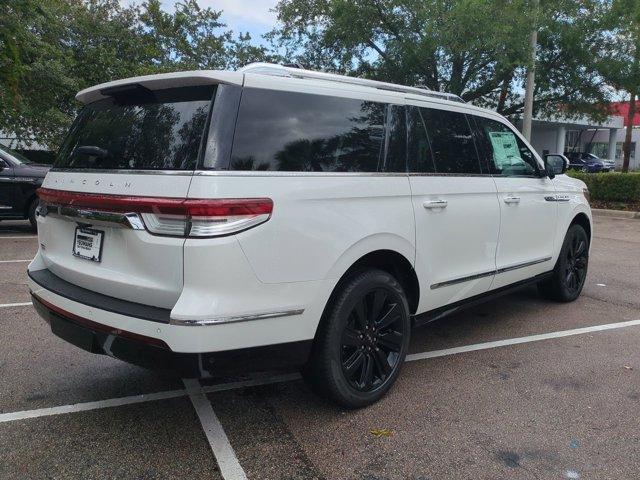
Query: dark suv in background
pixel 586 162
pixel 19 179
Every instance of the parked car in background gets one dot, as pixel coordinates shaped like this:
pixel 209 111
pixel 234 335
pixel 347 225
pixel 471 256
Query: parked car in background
pixel 19 180
pixel 586 162
pixel 608 163
pixel 230 220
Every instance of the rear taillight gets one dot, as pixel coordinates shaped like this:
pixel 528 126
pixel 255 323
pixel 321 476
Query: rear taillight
pixel 173 216
pixel 211 218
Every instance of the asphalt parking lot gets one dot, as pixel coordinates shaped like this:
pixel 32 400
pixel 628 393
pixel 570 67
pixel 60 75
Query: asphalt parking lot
pixel 534 404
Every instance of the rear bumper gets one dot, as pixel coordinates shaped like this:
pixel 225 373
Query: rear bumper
pixel 155 354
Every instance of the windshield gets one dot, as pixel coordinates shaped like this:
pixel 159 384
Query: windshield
pixel 15 156
pixel 160 131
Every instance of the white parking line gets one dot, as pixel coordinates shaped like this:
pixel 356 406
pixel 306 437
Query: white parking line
pixel 149 397
pixel 228 463
pixel 18 237
pixel 114 402
pixel 516 341
pixel 14 261
pixel 9 305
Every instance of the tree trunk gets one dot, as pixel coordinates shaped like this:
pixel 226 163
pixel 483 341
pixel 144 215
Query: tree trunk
pixel 626 148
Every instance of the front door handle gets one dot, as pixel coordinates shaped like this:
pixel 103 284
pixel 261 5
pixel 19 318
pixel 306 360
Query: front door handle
pixel 435 204
pixel 511 199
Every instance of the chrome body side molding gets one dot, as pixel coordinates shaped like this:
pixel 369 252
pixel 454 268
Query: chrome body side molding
pixel 235 318
pixel 489 273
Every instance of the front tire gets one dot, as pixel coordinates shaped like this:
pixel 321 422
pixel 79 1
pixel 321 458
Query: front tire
pixel 570 272
pixel 362 340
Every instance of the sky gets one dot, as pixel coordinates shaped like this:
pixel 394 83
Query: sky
pixel 251 16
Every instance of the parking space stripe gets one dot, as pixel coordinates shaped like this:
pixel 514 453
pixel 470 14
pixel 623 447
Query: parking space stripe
pixel 148 397
pixel 228 463
pixel 14 261
pixel 9 305
pixel 18 237
pixel 516 341
pixel 115 402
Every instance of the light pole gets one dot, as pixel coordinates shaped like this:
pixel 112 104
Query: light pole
pixel 531 73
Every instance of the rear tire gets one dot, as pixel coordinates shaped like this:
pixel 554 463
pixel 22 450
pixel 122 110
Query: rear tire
pixel 362 340
pixel 32 214
pixel 570 272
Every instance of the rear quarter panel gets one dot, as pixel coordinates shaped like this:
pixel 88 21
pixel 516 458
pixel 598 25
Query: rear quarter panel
pixel 321 224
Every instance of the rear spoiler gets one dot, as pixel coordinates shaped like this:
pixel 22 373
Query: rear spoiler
pixel 160 82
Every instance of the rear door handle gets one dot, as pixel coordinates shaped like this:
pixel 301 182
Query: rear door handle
pixel 435 204
pixel 511 199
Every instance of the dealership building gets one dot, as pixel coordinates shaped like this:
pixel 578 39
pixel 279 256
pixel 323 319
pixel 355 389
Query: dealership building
pixel 604 139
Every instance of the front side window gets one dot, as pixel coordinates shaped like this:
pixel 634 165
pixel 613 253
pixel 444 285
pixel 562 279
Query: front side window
pixel 507 154
pixel 299 132
pixel 451 141
pixel 160 130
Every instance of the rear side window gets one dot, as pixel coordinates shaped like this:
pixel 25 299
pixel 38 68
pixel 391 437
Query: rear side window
pixel 451 141
pixel 299 132
pixel 159 130
pixel 507 154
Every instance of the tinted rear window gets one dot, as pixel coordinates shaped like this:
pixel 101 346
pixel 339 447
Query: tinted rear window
pixel 161 131
pixel 298 132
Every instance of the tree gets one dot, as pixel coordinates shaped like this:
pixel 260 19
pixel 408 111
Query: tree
pixel 619 57
pixel 51 50
pixel 477 49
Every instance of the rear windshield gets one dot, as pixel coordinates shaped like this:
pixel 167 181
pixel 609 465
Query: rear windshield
pixel 159 130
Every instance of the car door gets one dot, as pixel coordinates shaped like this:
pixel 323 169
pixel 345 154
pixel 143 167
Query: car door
pixel 528 210
pixel 456 213
pixel 7 187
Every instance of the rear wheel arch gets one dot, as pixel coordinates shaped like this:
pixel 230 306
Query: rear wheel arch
pixel 392 262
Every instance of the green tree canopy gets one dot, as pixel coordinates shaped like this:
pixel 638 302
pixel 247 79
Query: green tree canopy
pixel 51 50
pixel 474 48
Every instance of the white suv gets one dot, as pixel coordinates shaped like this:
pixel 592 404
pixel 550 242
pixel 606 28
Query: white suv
pixel 208 221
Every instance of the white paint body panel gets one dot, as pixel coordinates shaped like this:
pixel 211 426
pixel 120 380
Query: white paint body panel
pixel 320 226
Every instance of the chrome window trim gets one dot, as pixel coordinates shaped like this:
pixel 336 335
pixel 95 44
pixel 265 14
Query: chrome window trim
pixel 489 273
pixel 234 318
pixel 185 173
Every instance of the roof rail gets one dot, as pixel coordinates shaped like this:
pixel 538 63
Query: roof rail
pixel 285 71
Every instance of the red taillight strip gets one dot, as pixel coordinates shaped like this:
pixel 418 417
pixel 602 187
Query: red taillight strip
pixel 99 326
pixel 166 205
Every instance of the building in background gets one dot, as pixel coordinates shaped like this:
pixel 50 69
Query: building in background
pixel 605 139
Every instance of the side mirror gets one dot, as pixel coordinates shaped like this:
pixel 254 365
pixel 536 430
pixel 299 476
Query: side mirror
pixel 3 165
pixel 555 165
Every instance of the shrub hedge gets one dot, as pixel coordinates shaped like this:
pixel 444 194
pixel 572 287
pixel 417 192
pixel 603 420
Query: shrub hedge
pixel 611 186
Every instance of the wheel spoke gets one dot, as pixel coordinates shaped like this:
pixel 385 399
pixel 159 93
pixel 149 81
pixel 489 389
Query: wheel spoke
pixel 352 363
pixel 388 318
pixel 366 376
pixel 379 299
pixel 390 340
pixel 351 337
pixel 382 364
pixel 568 277
pixel 361 314
pixel 580 249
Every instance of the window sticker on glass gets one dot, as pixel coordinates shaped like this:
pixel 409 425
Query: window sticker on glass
pixel 505 149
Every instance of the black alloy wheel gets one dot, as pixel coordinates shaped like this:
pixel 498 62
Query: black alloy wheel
pixel 362 340
pixel 567 279
pixel 575 265
pixel 372 340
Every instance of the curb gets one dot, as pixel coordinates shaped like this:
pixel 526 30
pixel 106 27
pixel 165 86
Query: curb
pixel 601 212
